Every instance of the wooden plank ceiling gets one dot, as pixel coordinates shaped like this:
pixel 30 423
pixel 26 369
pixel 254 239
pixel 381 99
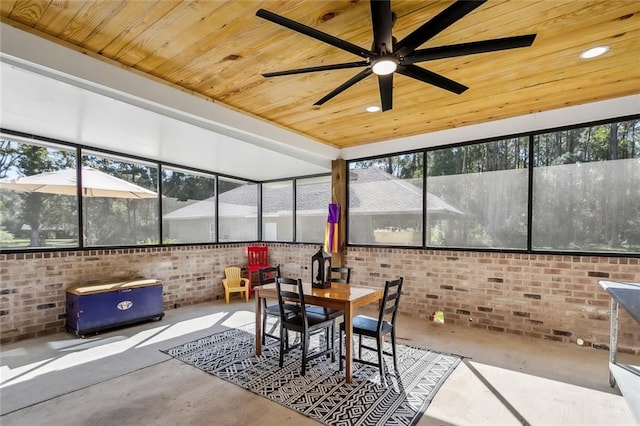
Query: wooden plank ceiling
pixel 218 49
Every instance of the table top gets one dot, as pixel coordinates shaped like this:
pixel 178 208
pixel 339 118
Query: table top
pixel 337 291
pixel 627 294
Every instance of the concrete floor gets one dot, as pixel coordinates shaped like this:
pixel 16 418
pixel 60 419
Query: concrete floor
pixel 120 377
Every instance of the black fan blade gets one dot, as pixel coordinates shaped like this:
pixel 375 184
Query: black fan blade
pixel 471 48
pixel 382 21
pixel 385 82
pixel 426 76
pixel 353 80
pixel 318 68
pixel 442 20
pixel 313 33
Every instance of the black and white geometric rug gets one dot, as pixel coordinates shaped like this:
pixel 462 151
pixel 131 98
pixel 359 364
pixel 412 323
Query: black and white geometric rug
pixel 323 393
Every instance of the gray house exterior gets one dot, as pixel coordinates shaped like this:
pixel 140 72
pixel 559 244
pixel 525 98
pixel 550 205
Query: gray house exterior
pixel 383 210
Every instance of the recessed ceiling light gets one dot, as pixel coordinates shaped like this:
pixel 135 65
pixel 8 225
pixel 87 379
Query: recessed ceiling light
pixel 373 108
pixel 593 52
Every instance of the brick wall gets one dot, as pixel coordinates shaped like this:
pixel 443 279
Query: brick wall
pixel 542 296
pixel 32 285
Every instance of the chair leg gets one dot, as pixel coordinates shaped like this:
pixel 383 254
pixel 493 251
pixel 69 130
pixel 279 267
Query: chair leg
pixel 264 327
pixel 340 355
pixel 327 340
pixel 333 342
pixel 282 333
pixel 226 297
pixel 380 358
pixel 305 348
pixel 360 346
pixel 393 348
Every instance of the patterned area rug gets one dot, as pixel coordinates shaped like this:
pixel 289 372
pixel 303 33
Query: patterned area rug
pixel 323 393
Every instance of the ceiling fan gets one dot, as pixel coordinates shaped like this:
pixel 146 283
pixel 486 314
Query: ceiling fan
pixel 388 56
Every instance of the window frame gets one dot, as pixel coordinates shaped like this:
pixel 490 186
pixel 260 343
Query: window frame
pixel 529 208
pixel 526 140
pixel 296 233
pixel 348 216
pixel 213 227
pixel 82 150
pixel 79 148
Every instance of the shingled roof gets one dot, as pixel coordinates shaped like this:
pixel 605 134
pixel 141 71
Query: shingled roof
pixel 371 191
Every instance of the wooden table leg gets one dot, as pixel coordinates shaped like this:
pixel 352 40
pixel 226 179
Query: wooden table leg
pixel 258 324
pixel 348 328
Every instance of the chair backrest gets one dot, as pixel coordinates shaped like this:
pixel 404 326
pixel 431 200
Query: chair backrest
pixel 233 276
pixel 340 275
pixel 390 302
pixel 269 275
pixel 257 255
pixel 290 294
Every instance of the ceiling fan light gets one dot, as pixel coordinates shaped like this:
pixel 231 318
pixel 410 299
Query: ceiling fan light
pixel 384 65
pixel 594 52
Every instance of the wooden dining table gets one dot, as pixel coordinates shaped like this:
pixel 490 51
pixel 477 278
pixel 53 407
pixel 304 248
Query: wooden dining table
pixel 344 297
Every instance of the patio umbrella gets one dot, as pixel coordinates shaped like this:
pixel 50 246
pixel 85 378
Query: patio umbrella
pixel 63 182
pixel 331 243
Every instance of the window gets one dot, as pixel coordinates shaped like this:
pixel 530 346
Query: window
pixel 120 201
pixel 586 189
pixel 38 196
pixel 477 195
pixel 313 196
pixel 385 201
pixel 585 197
pixel 277 211
pixel 188 206
pixel 237 210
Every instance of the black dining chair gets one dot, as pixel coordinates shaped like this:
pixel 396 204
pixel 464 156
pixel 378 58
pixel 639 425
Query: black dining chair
pixel 377 328
pixel 291 298
pixel 269 276
pixel 338 275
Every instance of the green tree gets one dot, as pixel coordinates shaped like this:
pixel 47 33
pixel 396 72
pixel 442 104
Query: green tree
pixel 8 156
pixel 33 209
pixel 186 186
pixel 403 166
pixel 31 160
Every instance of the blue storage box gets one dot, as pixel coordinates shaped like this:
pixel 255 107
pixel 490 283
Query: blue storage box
pixel 91 308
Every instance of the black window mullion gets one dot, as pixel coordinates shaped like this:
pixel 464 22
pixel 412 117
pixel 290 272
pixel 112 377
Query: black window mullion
pixel 159 189
pixel 294 212
pixel 424 199
pixel 530 196
pixel 216 193
pixel 259 211
pixel 80 201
